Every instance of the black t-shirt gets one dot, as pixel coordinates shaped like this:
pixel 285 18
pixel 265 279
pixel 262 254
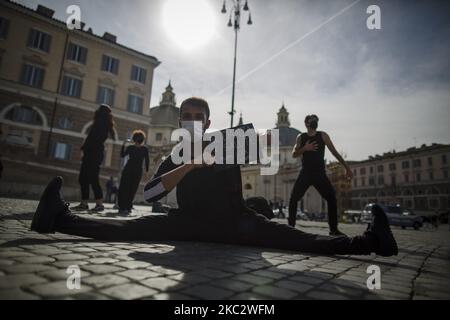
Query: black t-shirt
pixel 137 155
pixel 313 160
pixel 212 192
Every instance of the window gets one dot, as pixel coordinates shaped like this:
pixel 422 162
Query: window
pixel 446 174
pixel 380 180
pixel 65 123
pixel 62 151
pixel 24 114
pixel 77 53
pixel 417 163
pixel 32 76
pixel 418 177
pixel 71 86
pixel 39 40
pixel 362 171
pixel 19 137
pixel 110 64
pixel 406 177
pixel 392 166
pixel 158 136
pixel 393 181
pixel 355 183
pixel 105 95
pixel 371 170
pixel 4 27
pixel 354 172
pixel 135 103
pixel 444 159
pixel 138 74
pixel 380 168
pixel 405 165
pixel 430 161
pixel 431 176
pixel 363 182
pixel 371 181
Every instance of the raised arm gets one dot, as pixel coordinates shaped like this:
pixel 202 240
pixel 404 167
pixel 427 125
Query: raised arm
pixel 327 140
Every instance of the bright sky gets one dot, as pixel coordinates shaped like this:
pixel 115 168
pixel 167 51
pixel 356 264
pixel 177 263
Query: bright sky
pixel 373 90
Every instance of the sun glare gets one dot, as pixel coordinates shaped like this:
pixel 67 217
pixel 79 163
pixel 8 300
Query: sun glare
pixel 190 24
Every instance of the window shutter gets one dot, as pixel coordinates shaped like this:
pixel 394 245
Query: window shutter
pixel 31 37
pixel 79 85
pixel 68 151
pixel 39 73
pixel 112 91
pixel 47 39
pixel 143 75
pixel 83 55
pixel 115 66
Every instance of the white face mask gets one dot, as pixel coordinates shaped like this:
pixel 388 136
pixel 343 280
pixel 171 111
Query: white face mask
pixel 195 128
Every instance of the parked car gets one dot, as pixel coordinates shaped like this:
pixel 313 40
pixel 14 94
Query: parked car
pixel 397 216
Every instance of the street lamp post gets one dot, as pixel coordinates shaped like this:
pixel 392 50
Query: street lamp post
pixel 235 15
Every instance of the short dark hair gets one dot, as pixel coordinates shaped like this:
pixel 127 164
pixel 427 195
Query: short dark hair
pixel 196 102
pixel 308 117
pixel 138 136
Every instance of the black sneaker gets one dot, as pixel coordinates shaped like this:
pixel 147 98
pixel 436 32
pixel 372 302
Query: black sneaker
pixel 80 207
pixel 50 206
pixel 387 246
pixel 337 233
pixel 98 208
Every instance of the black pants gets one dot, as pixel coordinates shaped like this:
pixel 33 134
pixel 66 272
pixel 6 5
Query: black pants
pixel 318 180
pixel 89 175
pixel 249 229
pixel 129 184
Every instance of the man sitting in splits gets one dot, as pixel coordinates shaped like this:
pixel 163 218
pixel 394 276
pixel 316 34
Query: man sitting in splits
pixel 210 209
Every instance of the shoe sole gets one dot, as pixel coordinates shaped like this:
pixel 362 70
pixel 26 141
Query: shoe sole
pixel 387 239
pixel 42 219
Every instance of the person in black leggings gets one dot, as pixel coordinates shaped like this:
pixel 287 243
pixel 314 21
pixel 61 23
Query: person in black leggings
pixel 311 147
pixel 211 208
pixel 132 173
pixel 93 154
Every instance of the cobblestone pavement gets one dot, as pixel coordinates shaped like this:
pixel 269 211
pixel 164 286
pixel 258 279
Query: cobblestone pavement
pixel 33 266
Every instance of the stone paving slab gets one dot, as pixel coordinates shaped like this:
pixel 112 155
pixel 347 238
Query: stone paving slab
pixel 34 266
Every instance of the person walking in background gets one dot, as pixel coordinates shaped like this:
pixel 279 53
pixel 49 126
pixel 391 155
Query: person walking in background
pixel 132 172
pixel 93 150
pixel 111 190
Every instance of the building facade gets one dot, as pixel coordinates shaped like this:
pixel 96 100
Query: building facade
pixel 52 80
pixel 417 178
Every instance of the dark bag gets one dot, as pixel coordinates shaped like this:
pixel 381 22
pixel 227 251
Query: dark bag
pixel 260 205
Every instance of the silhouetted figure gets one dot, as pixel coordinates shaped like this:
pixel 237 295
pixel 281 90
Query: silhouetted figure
pixel 311 147
pixel 111 190
pixel 132 172
pixel 93 150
